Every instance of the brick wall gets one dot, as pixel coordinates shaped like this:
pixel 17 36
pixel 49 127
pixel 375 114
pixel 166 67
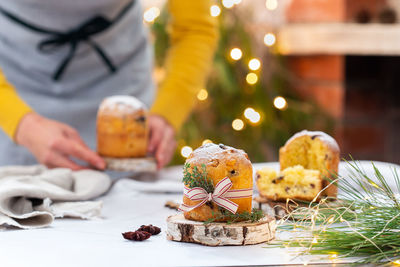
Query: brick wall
pixel 316 11
pixel 357 91
pixel 319 78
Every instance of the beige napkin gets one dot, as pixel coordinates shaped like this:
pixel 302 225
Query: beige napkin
pixel 32 196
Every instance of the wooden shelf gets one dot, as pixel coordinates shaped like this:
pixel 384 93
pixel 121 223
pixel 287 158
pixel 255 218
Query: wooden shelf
pixel 339 38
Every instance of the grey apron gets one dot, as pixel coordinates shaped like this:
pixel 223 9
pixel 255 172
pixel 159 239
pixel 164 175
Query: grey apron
pixel 73 98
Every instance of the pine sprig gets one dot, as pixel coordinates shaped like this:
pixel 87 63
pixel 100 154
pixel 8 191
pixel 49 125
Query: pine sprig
pixel 194 177
pixel 366 224
pixel 254 216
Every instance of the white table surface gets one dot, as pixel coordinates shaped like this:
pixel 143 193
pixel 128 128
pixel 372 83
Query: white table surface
pixel 72 242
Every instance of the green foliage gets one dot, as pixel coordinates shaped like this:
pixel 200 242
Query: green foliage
pixel 230 95
pixel 366 224
pixel 193 177
pixel 254 216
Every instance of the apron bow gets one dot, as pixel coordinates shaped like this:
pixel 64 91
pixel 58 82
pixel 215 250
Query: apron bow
pixel 73 38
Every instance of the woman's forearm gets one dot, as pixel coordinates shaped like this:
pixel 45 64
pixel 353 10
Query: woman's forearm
pixel 12 107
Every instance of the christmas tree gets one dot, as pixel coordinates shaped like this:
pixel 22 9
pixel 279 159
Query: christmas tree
pixel 248 102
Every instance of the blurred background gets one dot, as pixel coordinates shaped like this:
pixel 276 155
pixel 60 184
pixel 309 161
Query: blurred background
pixel 287 65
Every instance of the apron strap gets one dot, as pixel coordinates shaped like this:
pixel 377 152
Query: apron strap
pixel 73 37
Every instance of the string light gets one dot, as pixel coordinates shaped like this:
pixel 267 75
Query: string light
pixel 271 4
pixel 252 115
pixel 251 78
pixel 280 102
pixel 185 151
pixel 397 262
pixel 206 141
pixel 202 95
pixel 228 3
pixel 315 241
pixel 236 53
pixel 269 39
pixel 254 64
pixel 151 14
pixel 215 11
pixel 375 185
pixel 237 124
pixel 237 2
pixel 248 112
pixel 333 256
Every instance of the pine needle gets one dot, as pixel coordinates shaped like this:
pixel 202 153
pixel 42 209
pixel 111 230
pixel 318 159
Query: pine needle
pixel 254 216
pixel 366 224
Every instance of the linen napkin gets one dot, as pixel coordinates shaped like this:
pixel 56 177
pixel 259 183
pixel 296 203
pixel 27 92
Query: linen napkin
pixel 32 196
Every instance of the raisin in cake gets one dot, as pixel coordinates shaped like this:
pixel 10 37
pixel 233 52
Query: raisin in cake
pixel 122 127
pixel 291 183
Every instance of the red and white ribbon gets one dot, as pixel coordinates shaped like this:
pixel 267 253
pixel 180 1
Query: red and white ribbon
pixel 221 196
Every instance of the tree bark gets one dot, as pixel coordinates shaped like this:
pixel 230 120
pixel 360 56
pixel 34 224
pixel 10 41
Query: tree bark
pixel 220 234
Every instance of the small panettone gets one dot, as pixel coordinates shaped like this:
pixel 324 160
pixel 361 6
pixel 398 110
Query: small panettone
pixel 291 183
pixel 315 151
pixel 122 128
pixel 220 162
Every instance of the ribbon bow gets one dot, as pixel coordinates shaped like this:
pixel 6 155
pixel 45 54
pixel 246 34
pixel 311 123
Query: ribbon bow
pixel 220 196
pixel 73 37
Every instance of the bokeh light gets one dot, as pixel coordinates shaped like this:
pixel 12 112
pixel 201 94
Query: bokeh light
pixel 206 141
pixel 237 124
pixel 269 39
pixel 271 4
pixel 151 14
pixel 280 102
pixel 251 78
pixel 236 53
pixel 228 3
pixel 202 95
pixel 252 115
pixel 215 11
pixel 254 64
pixel 185 151
pixel 247 112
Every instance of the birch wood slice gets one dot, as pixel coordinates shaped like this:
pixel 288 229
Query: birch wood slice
pixel 275 208
pixel 280 209
pixel 220 234
pixel 131 164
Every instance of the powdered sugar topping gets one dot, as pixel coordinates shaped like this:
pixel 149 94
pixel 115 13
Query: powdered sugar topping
pixel 320 135
pixel 122 103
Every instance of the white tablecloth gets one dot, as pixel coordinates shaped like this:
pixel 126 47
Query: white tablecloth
pixel 129 204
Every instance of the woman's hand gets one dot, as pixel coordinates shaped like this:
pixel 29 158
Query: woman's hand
pixel 162 142
pixel 54 143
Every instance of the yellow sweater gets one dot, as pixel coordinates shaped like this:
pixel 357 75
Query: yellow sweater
pixel 193 36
